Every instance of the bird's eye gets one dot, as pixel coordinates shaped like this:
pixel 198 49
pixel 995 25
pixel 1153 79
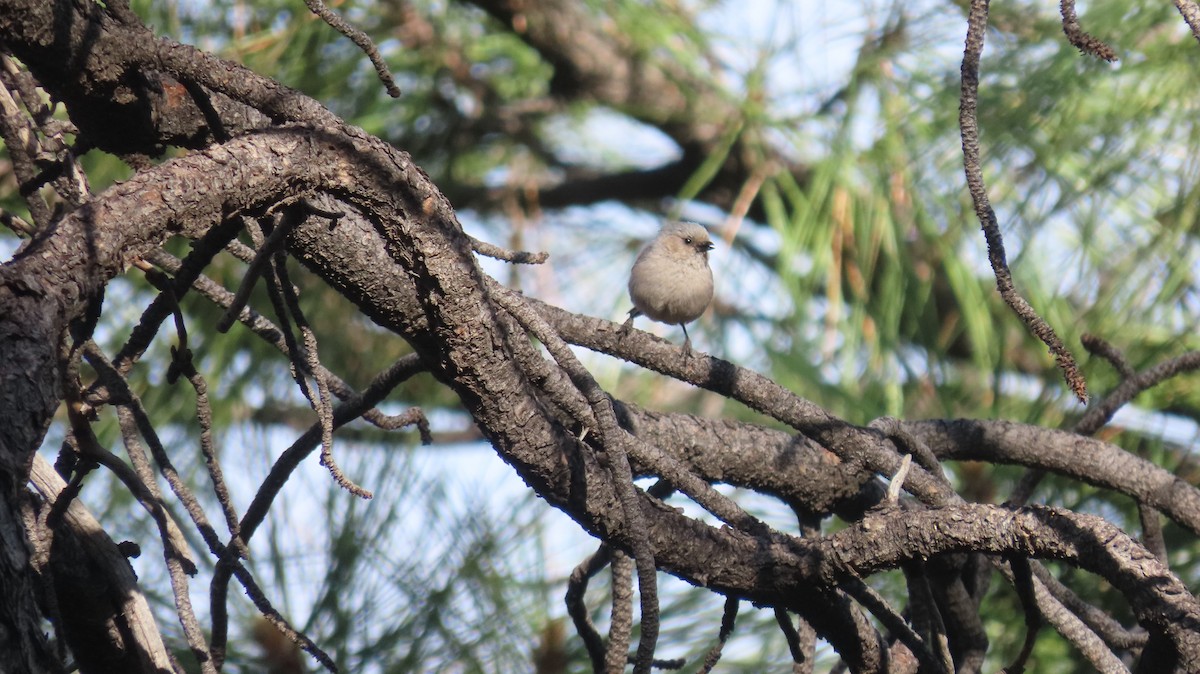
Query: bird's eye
pixel 687 240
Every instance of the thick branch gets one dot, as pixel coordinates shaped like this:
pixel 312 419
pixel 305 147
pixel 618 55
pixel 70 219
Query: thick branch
pixel 106 596
pixel 1086 459
pixel 125 88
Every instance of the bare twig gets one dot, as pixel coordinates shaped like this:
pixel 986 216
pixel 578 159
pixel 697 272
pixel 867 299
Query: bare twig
pixel 897 483
pixel 227 557
pixel 178 565
pixel 1152 533
pixel 516 256
pixel 1023 582
pixel 925 613
pixel 621 625
pixel 790 635
pixel 615 446
pixel 1067 621
pixel 1100 347
pixel 135 421
pixel 360 39
pixel 1082 40
pixel 969 125
pixel 17 224
pixel 268 612
pixel 37 146
pixel 1191 15
pixel 728 618
pixel 672 470
pixel 268 332
pixel 21 141
pixel 261 263
pixel 185 272
pixel 240 250
pixel 1092 617
pixel 143 633
pixel 577 585
pixel 343 413
pixel 1100 414
pixel 24 87
pixel 894 429
pixel 181 364
pixel 380 386
pixel 896 625
pixel 1097 417
pixel 322 404
pixel 211 117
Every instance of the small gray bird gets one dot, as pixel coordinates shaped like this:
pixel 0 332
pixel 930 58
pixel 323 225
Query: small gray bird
pixel 671 281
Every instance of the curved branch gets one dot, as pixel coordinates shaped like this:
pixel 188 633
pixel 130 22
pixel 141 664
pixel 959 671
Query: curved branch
pixel 416 274
pixel 1091 461
pixel 1083 458
pixel 1081 39
pixel 969 123
pixel 361 40
pixel 1163 605
pixel 1190 11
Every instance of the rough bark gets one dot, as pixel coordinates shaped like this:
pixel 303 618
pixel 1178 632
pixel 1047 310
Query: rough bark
pixel 401 257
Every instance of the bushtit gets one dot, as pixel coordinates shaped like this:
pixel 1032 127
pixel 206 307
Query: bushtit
pixel 670 281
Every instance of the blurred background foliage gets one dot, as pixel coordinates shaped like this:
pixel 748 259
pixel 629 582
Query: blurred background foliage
pixel 851 269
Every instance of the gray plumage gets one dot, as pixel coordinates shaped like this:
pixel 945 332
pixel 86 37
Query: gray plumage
pixel 671 281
